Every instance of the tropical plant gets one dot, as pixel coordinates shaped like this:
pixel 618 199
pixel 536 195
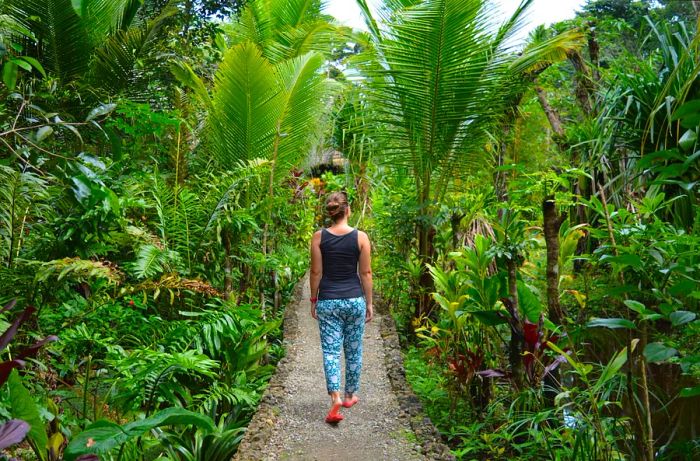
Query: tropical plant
pixel 445 77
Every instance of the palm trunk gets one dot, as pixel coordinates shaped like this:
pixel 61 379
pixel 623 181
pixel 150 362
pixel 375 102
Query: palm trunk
pixel 426 251
pixel 500 177
pixel 426 254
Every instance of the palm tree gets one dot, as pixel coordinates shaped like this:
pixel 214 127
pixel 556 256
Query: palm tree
pixel 446 76
pixel 265 95
pixel 98 41
pixel 284 29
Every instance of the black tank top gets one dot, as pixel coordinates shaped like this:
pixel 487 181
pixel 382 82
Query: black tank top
pixel 340 255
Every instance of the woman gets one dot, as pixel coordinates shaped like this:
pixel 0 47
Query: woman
pixel 341 299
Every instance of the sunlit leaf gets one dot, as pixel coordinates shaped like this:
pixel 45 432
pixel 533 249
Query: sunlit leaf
pixel 612 323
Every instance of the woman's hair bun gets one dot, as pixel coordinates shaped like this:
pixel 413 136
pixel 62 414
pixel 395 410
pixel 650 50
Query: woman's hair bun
pixel 336 205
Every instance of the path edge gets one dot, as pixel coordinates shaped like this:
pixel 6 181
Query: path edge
pixel 263 424
pixel 411 409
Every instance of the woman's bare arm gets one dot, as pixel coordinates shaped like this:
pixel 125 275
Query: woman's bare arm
pixel 366 272
pixel 316 268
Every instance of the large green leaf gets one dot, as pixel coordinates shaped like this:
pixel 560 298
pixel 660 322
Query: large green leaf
pixel 22 406
pixel 658 352
pixel 529 302
pixel 612 323
pixel 103 436
pixel 679 318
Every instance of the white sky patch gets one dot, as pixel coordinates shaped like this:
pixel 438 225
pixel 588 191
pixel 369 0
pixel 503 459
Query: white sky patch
pixel 541 12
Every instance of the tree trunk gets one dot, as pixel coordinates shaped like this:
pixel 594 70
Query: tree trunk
pixel 552 223
pixel 228 265
pixel 584 85
pixel 552 116
pixel 593 50
pixel 517 335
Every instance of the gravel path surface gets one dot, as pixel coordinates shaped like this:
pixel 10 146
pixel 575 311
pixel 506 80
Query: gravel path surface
pixel 371 430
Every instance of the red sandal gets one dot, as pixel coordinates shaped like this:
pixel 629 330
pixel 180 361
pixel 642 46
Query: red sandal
pixel 333 415
pixel 351 402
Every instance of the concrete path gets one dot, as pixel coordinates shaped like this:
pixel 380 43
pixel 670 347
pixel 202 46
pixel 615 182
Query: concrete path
pixel 371 431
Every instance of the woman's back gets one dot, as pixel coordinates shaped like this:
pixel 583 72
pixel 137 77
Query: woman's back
pixel 340 255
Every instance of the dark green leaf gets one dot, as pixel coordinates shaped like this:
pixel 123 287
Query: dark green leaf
pixel 490 318
pixel 35 64
pixel 679 318
pixel 657 352
pixel 636 306
pixel 9 74
pixel 623 260
pixel 530 304
pixel 23 64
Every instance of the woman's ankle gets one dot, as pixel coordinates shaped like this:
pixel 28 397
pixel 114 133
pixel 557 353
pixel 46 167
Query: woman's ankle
pixel 335 398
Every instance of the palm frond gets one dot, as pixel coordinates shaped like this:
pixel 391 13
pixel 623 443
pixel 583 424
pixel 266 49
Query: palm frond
pixel 246 107
pixel 541 53
pixel 114 62
pixel 101 17
pixel 186 75
pixel 307 97
pixel 64 38
pixel 229 190
pixel 444 81
pixel 292 13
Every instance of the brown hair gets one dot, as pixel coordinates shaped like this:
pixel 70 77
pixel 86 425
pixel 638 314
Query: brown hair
pixel 336 205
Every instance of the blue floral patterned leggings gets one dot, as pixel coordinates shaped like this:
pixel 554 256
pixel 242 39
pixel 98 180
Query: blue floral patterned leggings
pixel 342 321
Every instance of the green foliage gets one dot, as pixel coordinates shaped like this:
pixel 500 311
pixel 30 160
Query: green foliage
pixel 103 436
pixel 22 406
pixel 153 209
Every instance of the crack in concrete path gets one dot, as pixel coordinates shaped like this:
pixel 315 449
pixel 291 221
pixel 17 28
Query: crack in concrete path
pixel 372 430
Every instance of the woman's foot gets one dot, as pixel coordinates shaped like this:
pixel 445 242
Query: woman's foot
pixel 350 400
pixel 334 415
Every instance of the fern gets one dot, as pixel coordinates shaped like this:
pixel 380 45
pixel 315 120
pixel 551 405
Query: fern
pixel 23 197
pixel 151 261
pixel 180 216
pixel 79 270
pixel 220 395
pixel 147 377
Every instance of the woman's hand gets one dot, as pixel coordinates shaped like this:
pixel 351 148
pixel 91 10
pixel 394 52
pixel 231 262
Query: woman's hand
pixel 369 313
pixel 313 311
